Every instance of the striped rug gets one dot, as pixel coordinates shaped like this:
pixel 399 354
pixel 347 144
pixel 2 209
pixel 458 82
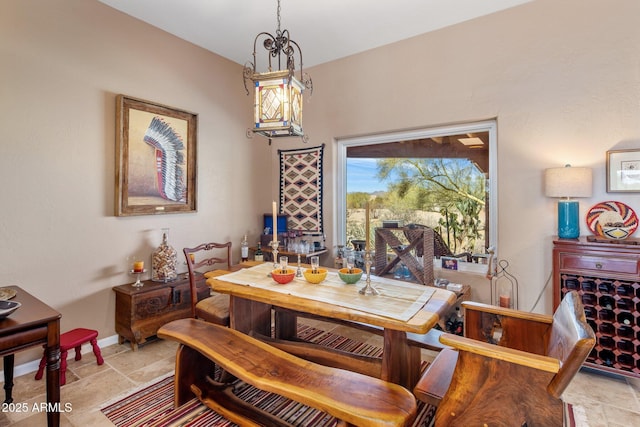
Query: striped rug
pixel 152 406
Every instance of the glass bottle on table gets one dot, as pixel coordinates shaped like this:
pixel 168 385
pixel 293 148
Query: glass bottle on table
pixel 259 256
pixel 244 249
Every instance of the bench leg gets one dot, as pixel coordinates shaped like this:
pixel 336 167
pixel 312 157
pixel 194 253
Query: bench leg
pixel 96 351
pixel 191 368
pixel 78 350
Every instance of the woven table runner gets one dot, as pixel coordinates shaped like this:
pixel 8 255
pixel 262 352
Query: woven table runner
pixel 397 300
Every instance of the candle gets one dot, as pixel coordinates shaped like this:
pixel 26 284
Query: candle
pixel 275 222
pixel 138 266
pixel 366 228
pixel 505 301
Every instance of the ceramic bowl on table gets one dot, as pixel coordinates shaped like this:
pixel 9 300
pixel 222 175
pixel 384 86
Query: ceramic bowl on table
pixel 8 307
pixel 283 277
pixel 350 277
pixel 317 277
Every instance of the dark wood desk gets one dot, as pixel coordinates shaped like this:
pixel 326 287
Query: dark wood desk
pixel 33 324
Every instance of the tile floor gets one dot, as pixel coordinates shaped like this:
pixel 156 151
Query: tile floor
pixel 602 401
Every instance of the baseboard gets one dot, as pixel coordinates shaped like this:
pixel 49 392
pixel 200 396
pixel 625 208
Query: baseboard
pixel 32 366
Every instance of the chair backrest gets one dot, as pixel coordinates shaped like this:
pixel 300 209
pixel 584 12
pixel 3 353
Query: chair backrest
pixel 570 339
pixel 201 256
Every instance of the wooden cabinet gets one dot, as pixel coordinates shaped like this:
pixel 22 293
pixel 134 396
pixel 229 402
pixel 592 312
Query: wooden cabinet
pixel 606 275
pixel 141 311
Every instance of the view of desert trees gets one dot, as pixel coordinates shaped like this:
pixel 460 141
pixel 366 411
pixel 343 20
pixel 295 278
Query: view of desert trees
pixel 448 195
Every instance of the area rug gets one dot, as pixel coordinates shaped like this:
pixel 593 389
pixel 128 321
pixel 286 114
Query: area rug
pixel 301 188
pixel 152 406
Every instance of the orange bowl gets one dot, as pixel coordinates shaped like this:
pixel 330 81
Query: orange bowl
pixel 283 278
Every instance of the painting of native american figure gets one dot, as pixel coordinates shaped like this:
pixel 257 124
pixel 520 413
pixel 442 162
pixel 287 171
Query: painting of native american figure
pixel 156 159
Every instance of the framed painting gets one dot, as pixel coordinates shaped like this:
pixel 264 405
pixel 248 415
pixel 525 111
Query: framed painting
pixel 623 171
pixel 155 158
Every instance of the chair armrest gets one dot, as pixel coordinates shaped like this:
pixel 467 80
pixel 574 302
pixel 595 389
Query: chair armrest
pixel 510 355
pixel 508 312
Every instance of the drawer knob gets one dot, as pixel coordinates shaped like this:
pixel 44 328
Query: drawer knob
pixel 599 265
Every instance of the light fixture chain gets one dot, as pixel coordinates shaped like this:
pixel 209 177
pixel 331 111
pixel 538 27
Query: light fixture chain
pixel 278 32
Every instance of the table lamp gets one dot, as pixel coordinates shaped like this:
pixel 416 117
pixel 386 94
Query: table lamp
pixel 565 183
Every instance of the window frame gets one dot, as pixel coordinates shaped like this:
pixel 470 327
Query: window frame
pixel 489 126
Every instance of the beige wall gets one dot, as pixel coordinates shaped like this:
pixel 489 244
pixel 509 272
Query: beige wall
pixel 561 77
pixel 62 65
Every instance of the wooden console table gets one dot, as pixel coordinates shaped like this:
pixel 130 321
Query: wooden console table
pixel 141 311
pixel 33 324
pixel 417 237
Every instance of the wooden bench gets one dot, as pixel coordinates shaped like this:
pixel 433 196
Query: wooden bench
pixel 510 368
pixel 353 398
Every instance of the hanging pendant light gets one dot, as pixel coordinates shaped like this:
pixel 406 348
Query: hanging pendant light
pixel 278 92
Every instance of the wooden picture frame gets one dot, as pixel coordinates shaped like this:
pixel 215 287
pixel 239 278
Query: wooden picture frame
pixel 155 158
pixel 623 171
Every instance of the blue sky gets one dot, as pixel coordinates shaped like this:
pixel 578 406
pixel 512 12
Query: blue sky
pixel 361 176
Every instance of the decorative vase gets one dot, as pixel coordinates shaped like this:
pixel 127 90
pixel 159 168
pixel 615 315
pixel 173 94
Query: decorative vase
pixel 164 261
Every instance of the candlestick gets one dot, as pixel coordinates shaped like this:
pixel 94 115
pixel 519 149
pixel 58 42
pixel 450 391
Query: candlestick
pixel 368 289
pixel 366 228
pixel 275 221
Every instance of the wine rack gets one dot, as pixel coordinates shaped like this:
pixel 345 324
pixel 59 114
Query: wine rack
pixel 606 276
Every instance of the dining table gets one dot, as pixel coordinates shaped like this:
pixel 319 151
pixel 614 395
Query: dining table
pixel 264 308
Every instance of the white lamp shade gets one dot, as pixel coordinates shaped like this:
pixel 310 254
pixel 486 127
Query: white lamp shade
pixel 568 182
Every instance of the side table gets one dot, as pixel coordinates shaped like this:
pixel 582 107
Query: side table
pixel 141 311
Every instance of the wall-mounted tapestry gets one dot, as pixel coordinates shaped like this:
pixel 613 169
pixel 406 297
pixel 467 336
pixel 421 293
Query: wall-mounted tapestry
pixel 301 188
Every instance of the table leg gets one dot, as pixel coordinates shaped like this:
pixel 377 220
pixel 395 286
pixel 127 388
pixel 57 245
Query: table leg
pixel 8 377
pixel 52 352
pixel 400 361
pixel 286 325
pixel 246 316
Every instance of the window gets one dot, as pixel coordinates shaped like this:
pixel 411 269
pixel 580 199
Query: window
pixel 475 142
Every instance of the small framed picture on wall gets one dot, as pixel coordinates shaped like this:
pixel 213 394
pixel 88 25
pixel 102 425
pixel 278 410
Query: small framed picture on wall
pixel 623 171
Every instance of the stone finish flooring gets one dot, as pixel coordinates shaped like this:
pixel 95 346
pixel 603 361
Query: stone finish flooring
pixel 602 401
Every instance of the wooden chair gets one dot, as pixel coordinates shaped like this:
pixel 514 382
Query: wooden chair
pixel 214 309
pixel 510 368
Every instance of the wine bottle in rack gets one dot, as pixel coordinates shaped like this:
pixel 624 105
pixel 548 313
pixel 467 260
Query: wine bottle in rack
pixel 607 302
pixel 625 318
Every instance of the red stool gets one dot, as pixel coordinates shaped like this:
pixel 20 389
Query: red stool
pixel 73 339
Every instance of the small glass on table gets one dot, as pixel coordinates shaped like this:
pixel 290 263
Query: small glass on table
pixel 284 263
pixel 315 263
pixel 351 262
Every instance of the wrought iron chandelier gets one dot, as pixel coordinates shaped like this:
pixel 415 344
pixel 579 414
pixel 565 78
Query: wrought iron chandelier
pixel 278 93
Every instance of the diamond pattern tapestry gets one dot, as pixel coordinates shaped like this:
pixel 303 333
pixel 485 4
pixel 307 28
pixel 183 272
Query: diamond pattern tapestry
pixel 301 188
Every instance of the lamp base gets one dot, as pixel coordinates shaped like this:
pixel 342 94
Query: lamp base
pixel 568 219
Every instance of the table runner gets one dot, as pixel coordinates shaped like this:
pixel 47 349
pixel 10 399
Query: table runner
pixel 397 300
